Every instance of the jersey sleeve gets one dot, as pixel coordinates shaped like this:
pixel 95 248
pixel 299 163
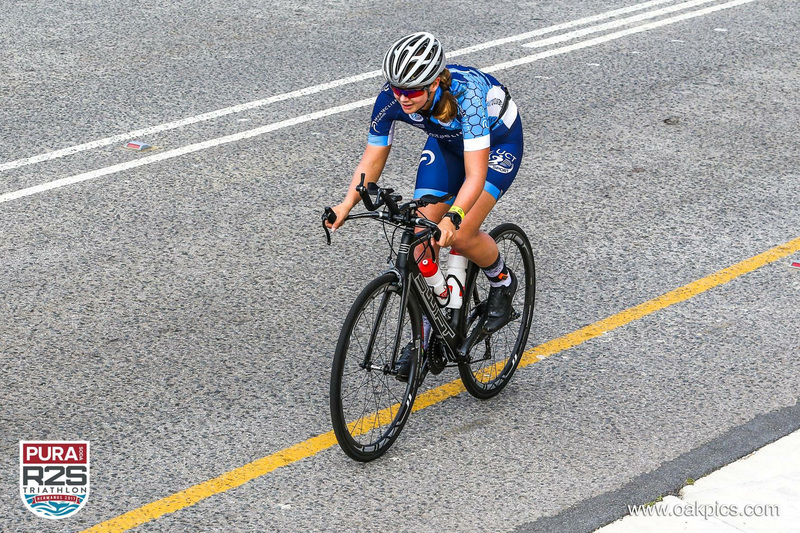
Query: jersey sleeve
pixel 381 129
pixel 475 119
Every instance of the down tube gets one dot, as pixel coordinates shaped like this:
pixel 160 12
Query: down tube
pixel 432 310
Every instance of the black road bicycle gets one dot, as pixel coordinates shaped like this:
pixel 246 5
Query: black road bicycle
pixel 369 405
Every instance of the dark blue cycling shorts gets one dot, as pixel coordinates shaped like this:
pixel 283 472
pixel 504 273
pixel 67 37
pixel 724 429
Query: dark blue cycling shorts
pixel 441 166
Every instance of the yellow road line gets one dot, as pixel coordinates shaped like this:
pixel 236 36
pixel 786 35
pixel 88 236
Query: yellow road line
pixel 314 445
pixel 665 300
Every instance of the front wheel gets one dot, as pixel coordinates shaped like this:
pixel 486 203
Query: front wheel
pixel 493 361
pixel 369 406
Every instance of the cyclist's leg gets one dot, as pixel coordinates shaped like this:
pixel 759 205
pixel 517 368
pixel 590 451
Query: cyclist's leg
pixel 505 157
pixel 471 242
pixel 440 171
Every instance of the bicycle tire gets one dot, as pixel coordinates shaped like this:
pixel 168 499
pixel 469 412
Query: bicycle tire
pixel 369 406
pixel 494 360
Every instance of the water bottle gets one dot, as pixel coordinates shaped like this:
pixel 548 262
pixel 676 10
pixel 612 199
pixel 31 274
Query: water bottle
pixel 456 277
pixel 433 276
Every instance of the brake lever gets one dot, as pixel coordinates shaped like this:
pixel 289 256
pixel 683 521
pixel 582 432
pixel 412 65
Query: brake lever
pixel 421 237
pixel 328 216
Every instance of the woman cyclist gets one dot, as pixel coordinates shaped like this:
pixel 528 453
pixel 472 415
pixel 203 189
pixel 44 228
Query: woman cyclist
pixel 473 151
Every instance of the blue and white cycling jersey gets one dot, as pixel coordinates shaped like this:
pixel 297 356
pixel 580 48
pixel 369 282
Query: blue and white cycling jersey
pixel 480 100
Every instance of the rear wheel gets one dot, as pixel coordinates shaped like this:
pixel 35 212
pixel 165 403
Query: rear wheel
pixel 369 406
pixel 493 361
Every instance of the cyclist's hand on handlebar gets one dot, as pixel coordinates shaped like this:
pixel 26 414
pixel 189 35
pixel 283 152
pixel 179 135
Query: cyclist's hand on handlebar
pixel 341 210
pixel 448 233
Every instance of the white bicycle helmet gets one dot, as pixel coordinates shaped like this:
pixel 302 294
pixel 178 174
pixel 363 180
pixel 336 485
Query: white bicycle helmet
pixel 414 61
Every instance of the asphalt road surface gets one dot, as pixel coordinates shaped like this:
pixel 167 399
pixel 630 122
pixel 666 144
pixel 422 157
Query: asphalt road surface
pixel 178 307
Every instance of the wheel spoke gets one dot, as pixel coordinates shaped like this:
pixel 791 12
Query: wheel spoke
pixel 486 377
pixel 367 404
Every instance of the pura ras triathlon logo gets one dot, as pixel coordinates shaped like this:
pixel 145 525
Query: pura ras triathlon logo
pixel 54 477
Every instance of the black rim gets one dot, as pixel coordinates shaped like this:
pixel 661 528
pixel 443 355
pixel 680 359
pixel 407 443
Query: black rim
pixel 371 405
pixel 493 361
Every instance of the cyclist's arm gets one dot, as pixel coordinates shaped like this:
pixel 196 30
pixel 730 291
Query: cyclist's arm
pixel 371 165
pixel 379 143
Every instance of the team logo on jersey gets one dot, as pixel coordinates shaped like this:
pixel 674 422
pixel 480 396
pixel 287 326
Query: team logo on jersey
pixel 416 117
pixel 427 157
pixel 502 161
pixel 54 477
pixel 380 114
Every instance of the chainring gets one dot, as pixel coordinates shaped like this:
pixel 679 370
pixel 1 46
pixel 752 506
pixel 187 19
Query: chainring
pixel 437 360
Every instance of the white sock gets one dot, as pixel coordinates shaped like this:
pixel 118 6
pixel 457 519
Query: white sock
pixel 494 273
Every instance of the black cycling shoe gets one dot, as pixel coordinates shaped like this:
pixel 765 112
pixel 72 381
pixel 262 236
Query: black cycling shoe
pixel 499 310
pixel 403 363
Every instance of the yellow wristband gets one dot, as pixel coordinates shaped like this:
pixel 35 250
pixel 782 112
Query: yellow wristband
pixel 457 210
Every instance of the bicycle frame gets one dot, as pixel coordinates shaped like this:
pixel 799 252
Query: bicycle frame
pixel 413 284
pixel 368 411
pixel 452 331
